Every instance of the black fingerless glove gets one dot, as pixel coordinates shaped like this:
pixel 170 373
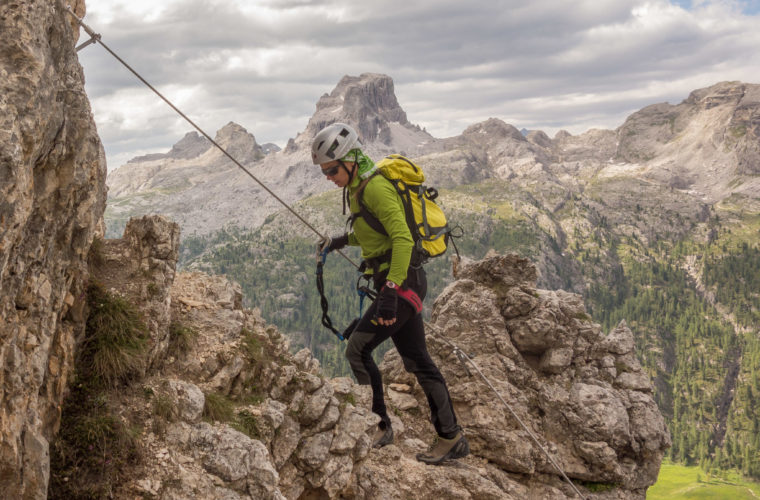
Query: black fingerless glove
pixel 335 243
pixel 387 304
pixel 338 242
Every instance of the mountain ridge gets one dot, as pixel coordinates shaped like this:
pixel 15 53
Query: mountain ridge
pixel 659 143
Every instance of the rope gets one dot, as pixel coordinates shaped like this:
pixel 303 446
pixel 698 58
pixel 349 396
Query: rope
pixel 464 358
pixel 326 321
pixel 96 38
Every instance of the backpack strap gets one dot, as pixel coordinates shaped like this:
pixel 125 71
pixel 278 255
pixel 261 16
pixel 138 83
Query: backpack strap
pixel 405 192
pixel 364 212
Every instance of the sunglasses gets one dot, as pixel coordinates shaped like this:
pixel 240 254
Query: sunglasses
pixel 329 172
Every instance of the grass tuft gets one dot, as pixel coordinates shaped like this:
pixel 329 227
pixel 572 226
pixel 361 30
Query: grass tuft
pixel 597 487
pixel 246 423
pixel 182 338
pixel 115 341
pixel 164 407
pixel 93 447
pixel 218 407
pixel 252 346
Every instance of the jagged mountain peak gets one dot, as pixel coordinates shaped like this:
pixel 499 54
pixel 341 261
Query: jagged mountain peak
pixel 731 93
pixel 539 138
pixel 240 143
pixel 193 145
pixel 190 146
pixel 368 103
pixel 369 93
pixel 231 132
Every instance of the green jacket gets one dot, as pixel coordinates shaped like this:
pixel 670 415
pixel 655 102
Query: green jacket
pixel 384 202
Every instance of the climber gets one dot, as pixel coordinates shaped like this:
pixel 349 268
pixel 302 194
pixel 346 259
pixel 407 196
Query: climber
pixel 387 259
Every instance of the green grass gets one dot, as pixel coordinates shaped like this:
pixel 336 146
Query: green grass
pixel 115 339
pixel 679 482
pixel 218 407
pixel 181 338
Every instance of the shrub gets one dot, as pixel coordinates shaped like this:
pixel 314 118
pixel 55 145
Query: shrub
pixel 246 423
pixel 96 258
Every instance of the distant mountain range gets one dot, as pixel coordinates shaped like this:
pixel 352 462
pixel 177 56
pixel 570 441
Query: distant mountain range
pixel 656 222
pixel 705 147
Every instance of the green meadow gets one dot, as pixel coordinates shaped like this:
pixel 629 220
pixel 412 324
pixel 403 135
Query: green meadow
pixel 679 482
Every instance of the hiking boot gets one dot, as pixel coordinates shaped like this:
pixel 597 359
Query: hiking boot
pixel 445 449
pixel 382 436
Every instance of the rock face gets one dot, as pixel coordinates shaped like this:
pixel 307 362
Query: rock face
pixel 52 197
pixel 690 144
pixel 140 267
pixel 291 433
pixel 582 393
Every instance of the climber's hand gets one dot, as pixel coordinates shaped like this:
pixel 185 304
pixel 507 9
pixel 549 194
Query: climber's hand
pixel 387 305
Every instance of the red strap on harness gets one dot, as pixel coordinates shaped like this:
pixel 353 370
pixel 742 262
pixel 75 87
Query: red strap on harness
pixel 411 297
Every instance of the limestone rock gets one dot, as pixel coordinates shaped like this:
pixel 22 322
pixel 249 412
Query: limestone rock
pixel 582 393
pixel 585 399
pixel 140 267
pixel 52 198
pixel 188 397
pixel 233 456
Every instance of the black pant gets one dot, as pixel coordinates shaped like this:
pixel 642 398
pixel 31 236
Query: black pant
pixel 408 335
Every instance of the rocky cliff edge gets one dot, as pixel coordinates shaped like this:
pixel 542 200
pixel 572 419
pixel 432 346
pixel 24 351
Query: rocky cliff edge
pixel 288 432
pixel 52 198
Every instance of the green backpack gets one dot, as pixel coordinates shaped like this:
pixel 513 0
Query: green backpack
pixel 427 222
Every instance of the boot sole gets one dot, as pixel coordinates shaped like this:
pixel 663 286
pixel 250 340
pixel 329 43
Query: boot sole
pixel 459 450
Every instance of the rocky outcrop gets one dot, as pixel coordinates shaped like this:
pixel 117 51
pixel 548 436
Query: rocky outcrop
pixel 583 393
pixel 289 432
pixel 140 267
pixel 52 197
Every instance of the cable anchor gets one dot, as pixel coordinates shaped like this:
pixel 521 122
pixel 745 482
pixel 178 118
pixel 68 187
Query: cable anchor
pixel 94 37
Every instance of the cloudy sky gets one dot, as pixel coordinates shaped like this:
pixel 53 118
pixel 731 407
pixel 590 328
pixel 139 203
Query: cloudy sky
pixel 537 64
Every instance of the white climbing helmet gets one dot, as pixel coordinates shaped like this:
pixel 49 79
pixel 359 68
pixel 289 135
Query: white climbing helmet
pixel 333 143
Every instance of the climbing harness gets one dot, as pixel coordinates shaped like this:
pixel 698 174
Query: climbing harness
pixel 464 358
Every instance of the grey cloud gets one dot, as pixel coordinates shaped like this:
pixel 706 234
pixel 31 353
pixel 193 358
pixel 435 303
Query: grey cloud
pixel 452 61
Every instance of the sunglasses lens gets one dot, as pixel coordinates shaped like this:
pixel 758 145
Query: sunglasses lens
pixel 330 171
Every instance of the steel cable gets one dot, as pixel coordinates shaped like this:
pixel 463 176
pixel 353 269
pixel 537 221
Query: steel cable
pixel 464 358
